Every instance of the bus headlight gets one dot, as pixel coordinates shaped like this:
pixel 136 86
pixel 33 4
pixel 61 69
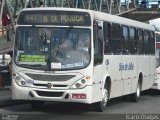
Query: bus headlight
pixel 79 84
pixel 19 80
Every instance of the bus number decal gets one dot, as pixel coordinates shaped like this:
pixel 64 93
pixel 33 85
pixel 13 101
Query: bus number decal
pixel 127 66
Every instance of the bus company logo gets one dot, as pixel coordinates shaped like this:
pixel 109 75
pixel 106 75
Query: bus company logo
pixel 6 116
pixel 49 85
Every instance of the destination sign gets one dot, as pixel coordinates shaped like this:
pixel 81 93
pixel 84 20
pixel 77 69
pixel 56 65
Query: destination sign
pixel 66 18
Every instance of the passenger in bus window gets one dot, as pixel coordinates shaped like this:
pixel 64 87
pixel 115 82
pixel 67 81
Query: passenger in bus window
pixel 84 43
pixel 66 45
pixel 83 46
pixel 76 52
pixel 31 47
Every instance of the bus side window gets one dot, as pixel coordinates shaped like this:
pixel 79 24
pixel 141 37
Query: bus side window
pixel 132 41
pixel 146 42
pixel 107 37
pixel 140 41
pixel 116 38
pixel 157 36
pixel 125 33
pixel 152 43
pixel 98 44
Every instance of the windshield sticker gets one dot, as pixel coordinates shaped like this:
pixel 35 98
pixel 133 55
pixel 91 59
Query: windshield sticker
pixel 79 64
pixel 32 58
pixel 56 65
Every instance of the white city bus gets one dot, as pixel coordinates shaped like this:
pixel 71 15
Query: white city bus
pixel 156 85
pixel 77 55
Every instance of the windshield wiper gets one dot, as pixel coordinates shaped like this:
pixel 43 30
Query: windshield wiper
pixel 57 50
pixel 37 65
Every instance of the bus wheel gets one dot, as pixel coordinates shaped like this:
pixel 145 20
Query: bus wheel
pixel 36 104
pixel 101 106
pixel 135 96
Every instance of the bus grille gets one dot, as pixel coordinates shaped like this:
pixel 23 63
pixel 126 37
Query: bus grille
pixel 50 77
pixel 49 94
pixel 45 85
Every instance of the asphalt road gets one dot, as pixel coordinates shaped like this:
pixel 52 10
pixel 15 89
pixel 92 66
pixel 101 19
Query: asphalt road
pixel 148 108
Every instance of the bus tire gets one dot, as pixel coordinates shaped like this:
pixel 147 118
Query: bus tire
pixel 102 105
pixel 36 104
pixel 135 96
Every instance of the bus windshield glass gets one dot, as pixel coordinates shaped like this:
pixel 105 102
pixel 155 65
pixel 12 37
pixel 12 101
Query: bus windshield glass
pixel 44 48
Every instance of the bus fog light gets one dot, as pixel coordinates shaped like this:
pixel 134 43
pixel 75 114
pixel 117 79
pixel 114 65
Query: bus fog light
pixel 17 78
pixel 78 85
pixel 23 83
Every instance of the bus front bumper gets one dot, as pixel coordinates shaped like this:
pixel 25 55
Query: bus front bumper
pixel 68 95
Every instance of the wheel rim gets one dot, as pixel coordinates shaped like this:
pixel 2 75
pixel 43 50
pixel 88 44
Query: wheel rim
pixel 105 97
pixel 138 90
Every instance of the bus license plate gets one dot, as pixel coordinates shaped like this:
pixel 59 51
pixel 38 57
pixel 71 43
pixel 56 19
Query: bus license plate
pixel 79 96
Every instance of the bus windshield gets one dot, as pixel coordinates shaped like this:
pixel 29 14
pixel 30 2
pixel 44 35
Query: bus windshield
pixel 49 48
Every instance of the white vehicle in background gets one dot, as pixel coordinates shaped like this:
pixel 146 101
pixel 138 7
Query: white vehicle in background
pixel 4 59
pixel 153 4
pixel 156 85
pixel 150 3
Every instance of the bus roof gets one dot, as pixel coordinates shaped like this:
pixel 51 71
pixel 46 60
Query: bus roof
pixel 122 20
